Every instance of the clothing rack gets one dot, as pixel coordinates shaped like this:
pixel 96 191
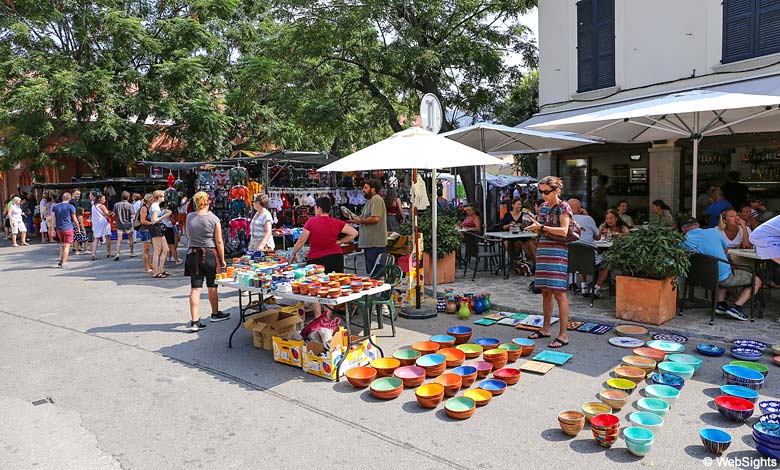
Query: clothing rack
pixel 296 191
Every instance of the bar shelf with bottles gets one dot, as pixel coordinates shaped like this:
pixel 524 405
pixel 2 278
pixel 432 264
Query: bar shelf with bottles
pixel 764 174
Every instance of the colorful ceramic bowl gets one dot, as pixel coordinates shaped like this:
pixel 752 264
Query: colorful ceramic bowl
pixel 513 351
pixel 426 347
pixel 654 354
pixel 594 408
pixel 646 420
pixel 640 450
pixel 412 376
pixel 487 343
pixel 483 368
pixel 742 374
pixel 638 435
pixel 461 333
pixel 668 347
pixel 692 361
pixel 571 417
pixel 740 392
pixel 764 370
pixel 460 407
pixel 471 351
pixel 715 440
pixel 450 382
pixel 664 392
pixel 407 356
pixel 445 341
pixel 454 357
pixel 734 408
pixel 429 395
pixel 571 429
pixel 634 374
pixel 653 405
pixel 667 379
pixel 434 364
pixel 615 399
pixel 526 344
pixel 481 397
pixel 622 384
pixel 683 370
pixel 750 343
pixel 387 388
pixel 361 377
pixel 605 422
pixel 710 350
pixel 746 354
pixel 508 375
pixel 385 366
pixel 496 387
pixel 468 375
pixel 644 363
pixel 769 406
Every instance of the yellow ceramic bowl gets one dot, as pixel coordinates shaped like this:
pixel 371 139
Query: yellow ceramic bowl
pixel 481 397
pixel 621 384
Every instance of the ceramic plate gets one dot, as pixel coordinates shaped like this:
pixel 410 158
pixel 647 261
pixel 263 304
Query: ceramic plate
pixel 771 418
pixel 625 342
pixel 537 367
pixel 670 337
pixel 573 325
pixel 601 329
pixel 484 322
pixel 666 346
pixel 519 316
pixel 553 357
pixel 587 327
pixel 750 343
pixel 710 350
pixel 631 330
pixel 509 321
pixel 746 354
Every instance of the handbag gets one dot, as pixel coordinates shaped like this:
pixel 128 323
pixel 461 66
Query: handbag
pixel 572 235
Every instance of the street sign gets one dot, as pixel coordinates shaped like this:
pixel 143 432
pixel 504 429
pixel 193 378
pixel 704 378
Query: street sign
pixel 431 113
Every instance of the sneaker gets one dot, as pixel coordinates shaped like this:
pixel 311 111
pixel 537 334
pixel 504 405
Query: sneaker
pixel 220 316
pixel 736 312
pixel 721 308
pixel 196 326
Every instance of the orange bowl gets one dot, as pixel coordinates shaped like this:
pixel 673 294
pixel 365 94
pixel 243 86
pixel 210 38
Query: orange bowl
pixel 450 382
pixel 361 377
pixel 654 354
pixel 429 395
pixel 425 347
pixel 454 357
pixel 385 366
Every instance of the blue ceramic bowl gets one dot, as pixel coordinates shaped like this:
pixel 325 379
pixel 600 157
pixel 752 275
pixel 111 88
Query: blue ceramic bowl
pixel 638 435
pixel 667 379
pixel 692 361
pixel 487 343
pixel 493 386
pixel 640 450
pixel 459 330
pixel 523 342
pixel 770 418
pixel 740 391
pixel 767 452
pixel 431 360
pixel 746 354
pixel 442 339
pixel 683 370
pixel 769 406
pixel 742 374
pixel 741 383
pixel 464 370
pixel 710 350
pixel 715 440
pixel 664 392
pixel 653 405
pixel 750 343
pixel 768 432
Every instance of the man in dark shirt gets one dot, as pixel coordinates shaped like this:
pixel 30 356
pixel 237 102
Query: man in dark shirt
pixel 734 191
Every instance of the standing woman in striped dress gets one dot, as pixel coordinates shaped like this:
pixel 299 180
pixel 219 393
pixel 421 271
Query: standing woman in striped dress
pixel 552 259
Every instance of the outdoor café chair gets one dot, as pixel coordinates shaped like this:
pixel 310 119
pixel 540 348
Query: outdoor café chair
pixel 582 260
pixel 489 253
pixel 392 275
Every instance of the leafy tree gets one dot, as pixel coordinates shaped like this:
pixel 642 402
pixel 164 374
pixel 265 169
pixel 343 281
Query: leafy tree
pixel 520 105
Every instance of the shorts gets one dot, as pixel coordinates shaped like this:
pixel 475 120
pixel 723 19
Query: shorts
pixel 65 236
pixel 333 263
pixel 144 236
pixel 738 278
pixel 130 234
pixel 170 235
pixel 19 227
pixel 200 265
pixel 44 227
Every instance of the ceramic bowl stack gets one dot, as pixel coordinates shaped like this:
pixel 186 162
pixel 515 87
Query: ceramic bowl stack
pixel 715 440
pixel 496 387
pixel 692 361
pixel 740 392
pixel 746 354
pixel 639 441
pixel 450 382
pixel 407 356
pixel 483 368
pixel 734 408
pixel 615 399
pixel 654 354
pixel 387 388
pixel 623 385
pixel 513 351
pixel 666 347
pixel 412 376
pixel 497 356
pixel 769 406
pixel 468 375
pixel 434 364
pixel 426 347
pixel 752 365
pixel 385 366
pixel 739 375
pixel 594 408
pixel 606 428
pixel 634 374
pixel 528 345
pixel 444 341
pixel 487 343
pixel 508 375
pixel 667 379
pixel 644 363
pixel 571 422
pixel 767 439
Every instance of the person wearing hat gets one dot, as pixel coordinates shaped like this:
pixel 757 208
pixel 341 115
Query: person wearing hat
pixel 709 242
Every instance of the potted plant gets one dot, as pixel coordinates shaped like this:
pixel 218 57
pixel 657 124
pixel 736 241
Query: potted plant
pixel 448 240
pixel 648 261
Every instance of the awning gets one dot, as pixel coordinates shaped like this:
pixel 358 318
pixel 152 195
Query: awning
pixel 314 159
pixel 180 165
pixel 124 182
pixel 502 181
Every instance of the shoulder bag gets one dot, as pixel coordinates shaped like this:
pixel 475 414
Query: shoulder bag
pixel 553 220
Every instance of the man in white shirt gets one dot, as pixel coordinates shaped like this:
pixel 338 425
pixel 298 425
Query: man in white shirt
pixel 588 235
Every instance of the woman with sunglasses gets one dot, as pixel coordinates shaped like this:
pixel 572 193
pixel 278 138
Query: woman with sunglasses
pixel 552 259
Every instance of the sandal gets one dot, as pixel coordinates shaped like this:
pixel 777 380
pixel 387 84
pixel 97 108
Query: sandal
pixel 94 258
pixel 538 335
pixel 158 276
pixel 558 343
pixel 166 274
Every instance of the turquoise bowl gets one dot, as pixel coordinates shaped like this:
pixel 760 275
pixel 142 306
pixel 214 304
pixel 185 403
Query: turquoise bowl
pixel 640 450
pixel 523 342
pixel 664 392
pixel 646 420
pixel 740 392
pixel 638 435
pixel 431 360
pixel 692 361
pixel 682 370
pixel 653 405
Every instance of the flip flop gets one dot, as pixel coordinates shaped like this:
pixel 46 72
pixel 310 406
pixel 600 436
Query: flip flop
pixel 537 335
pixel 559 341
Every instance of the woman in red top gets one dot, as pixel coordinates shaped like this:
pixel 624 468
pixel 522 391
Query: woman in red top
pixel 322 232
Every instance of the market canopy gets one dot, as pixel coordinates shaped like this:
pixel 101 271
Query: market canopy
pixel 502 140
pixel 691 114
pixel 502 181
pixel 413 148
pixel 305 158
pixel 179 165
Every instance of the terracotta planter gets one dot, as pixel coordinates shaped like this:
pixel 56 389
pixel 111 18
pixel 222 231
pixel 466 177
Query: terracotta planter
pixel 645 300
pixel 445 269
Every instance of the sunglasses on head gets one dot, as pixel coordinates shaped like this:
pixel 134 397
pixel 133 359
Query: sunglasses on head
pixel 547 191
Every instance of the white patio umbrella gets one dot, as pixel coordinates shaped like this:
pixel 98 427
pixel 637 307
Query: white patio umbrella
pixel 694 114
pixel 415 148
pixel 502 140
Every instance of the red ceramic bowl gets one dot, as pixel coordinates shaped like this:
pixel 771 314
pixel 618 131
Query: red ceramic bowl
pixel 361 377
pixel 654 354
pixel 507 375
pixel 604 422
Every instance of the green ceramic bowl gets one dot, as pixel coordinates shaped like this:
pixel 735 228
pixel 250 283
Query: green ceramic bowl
pixel 692 361
pixel 677 368
pixel 386 384
pixel 752 365
pixel 471 350
pixel 510 347
pixel 460 404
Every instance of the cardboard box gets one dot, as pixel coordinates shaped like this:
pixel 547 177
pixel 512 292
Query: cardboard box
pixel 270 323
pixel 327 366
pixel 287 351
